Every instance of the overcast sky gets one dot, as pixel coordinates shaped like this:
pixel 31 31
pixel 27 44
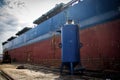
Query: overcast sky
pixel 17 14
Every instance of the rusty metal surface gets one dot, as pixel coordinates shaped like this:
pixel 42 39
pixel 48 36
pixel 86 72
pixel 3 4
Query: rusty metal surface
pixel 100 51
pixel 101 46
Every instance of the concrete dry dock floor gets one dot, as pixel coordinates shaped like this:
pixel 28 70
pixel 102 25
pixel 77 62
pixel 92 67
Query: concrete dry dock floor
pixel 32 72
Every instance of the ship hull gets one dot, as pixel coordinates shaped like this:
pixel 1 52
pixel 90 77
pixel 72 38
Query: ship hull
pixel 100 51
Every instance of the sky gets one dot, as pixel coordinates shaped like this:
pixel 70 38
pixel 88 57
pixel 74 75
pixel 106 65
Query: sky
pixel 17 14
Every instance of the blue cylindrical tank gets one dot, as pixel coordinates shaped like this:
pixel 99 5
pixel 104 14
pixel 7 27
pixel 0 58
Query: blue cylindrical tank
pixel 70 47
pixel 70 43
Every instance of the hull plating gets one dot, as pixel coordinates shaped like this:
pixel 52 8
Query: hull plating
pixel 100 51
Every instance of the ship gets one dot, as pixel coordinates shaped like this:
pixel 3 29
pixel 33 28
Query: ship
pixel 99 29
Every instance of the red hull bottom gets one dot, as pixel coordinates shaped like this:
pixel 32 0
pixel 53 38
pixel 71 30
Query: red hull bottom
pixel 100 51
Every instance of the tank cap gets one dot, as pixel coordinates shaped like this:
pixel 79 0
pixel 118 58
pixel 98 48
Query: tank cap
pixel 70 21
